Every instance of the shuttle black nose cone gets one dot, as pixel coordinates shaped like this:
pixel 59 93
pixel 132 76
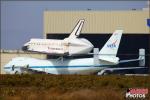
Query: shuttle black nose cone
pixel 24 48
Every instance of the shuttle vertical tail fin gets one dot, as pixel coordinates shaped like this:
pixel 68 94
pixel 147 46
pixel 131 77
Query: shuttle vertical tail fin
pixel 76 31
pixel 110 49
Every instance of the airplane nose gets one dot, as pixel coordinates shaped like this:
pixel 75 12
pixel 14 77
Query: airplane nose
pixel 24 48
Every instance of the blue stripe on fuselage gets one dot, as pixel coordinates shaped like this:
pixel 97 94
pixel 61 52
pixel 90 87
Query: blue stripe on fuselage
pixel 59 66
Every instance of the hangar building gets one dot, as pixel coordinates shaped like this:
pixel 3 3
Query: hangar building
pixel 98 27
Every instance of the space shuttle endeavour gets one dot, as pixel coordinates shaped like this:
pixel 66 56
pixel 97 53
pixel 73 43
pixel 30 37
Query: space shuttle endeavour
pixel 71 45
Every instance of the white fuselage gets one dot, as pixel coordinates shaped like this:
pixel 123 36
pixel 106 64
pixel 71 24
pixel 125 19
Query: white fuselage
pixel 48 46
pixel 56 66
pixel 61 47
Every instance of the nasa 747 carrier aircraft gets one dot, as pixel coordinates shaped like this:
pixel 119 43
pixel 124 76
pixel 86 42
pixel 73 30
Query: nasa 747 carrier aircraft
pixel 68 46
pixel 105 59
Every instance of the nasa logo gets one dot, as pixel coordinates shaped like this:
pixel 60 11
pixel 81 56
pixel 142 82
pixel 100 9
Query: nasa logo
pixel 112 45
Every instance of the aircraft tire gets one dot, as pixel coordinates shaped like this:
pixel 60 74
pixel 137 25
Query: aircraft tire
pixel 16 72
pixel 107 73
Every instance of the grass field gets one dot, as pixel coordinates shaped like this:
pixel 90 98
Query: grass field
pixel 69 87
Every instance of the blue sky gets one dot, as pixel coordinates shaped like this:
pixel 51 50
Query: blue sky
pixel 22 20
